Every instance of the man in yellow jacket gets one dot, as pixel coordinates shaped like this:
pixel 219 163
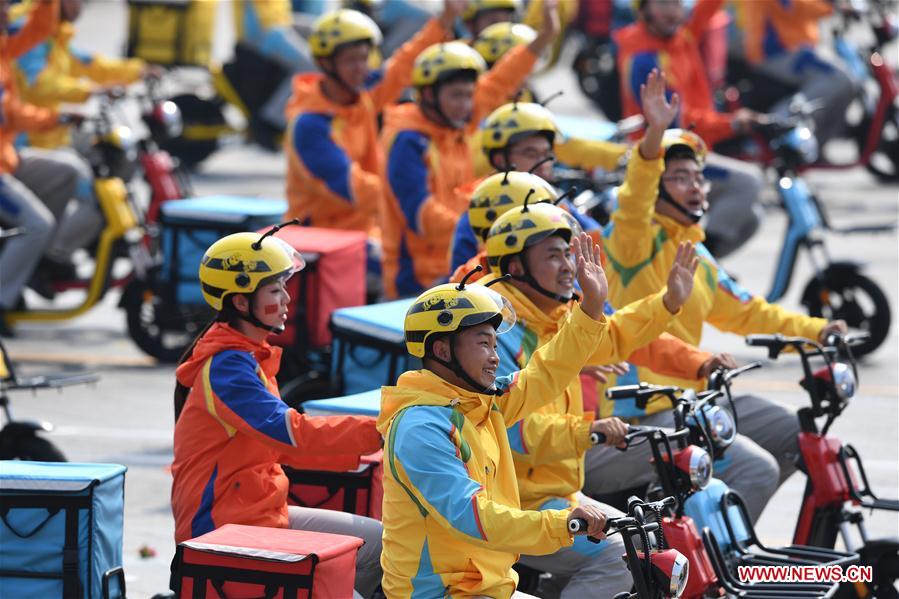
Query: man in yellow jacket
pixel 529 246
pixel 453 523
pixel 659 207
pixel 54 73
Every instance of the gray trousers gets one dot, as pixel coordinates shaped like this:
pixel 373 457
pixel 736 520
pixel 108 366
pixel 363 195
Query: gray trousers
pixel 78 216
pixel 586 569
pixel 818 78
pixel 760 459
pixel 40 186
pixel 734 211
pixel 368 560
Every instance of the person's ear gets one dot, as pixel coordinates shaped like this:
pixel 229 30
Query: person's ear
pixel 516 268
pixel 241 303
pixel 498 161
pixel 427 94
pixel 441 349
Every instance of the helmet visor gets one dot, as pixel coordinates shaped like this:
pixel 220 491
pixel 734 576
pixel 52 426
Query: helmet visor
pixel 503 319
pixel 297 261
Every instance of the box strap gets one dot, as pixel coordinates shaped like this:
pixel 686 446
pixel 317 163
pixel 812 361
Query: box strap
pixel 219 575
pixel 350 483
pixel 71 582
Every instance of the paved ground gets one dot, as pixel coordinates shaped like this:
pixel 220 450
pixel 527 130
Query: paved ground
pixel 127 416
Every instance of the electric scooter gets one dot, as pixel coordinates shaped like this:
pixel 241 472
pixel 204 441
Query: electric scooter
pixel 834 499
pixel 838 288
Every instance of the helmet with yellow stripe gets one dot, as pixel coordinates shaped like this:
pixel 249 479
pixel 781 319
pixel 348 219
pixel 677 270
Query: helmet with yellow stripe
pixel 684 142
pixel 497 39
pixel 516 121
pixel 449 308
pixel 442 61
pixel 475 7
pixel 244 262
pixel 501 192
pixel 341 27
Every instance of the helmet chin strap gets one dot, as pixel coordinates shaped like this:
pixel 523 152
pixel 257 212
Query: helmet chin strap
pixel 251 318
pixel 694 216
pixel 530 280
pixel 457 369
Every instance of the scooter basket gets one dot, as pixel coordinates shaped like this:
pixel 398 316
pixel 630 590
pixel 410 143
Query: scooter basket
pixel 358 491
pixel 190 226
pixel 171 32
pixel 237 561
pixel 369 348
pixel 61 530
pixel 336 279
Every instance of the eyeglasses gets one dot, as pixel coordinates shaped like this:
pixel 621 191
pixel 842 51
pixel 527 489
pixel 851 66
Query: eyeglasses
pixel 686 181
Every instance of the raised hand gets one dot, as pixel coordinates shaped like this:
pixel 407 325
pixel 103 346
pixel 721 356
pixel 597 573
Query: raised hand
pixel 680 277
pixel 451 10
pixel 590 275
pixel 549 27
pixel 657 110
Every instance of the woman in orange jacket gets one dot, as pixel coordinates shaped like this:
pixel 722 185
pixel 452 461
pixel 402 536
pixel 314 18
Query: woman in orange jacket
pixel 232 430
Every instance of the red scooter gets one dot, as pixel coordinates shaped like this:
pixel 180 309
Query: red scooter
pixel 833 500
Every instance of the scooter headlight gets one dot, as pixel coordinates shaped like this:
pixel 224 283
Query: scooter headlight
pixel 721 426
pixel 168 116
pixel 802 142
pixel 123 138
pixel 671 570
pixel 844 381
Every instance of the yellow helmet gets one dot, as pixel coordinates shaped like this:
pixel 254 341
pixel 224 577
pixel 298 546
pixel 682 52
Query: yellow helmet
pixel 501 192
pixel 450 307
pixel 517 230
pixel 674 138
pixel 512 122
pixel 476 7
pixel 243 262
pixel 497 39
pixel 340 27
pixel 440 61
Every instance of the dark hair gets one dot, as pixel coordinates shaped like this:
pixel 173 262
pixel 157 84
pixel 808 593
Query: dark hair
pixel 466 75
pixel 229 315
pixel 680 152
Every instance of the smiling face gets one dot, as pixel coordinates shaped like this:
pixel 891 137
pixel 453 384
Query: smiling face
pixel 551 265
pixel 685 184
pixel 475 351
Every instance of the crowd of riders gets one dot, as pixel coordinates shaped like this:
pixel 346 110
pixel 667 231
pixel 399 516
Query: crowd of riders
pixel 520 301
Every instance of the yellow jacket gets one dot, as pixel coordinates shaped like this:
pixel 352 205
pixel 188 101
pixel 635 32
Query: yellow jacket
pixel 453 525
pixel 548 445
pixel 254 17
pixel 640 247
pixel 53 73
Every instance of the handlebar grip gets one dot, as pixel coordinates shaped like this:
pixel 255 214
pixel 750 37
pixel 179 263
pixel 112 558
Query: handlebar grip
pixel 577 526
pixel 763 340
pixel 623 392
pixel 597 438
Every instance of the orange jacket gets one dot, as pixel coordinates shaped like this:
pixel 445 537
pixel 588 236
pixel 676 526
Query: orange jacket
pixel 770 27
pixel 426 165
pixel 234 432
pixel 333 158
pixel 14 115
pixel 639 52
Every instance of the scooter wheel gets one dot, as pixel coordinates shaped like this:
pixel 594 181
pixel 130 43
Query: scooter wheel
pixel 160 330
pixel 853 297
pixel 35 449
